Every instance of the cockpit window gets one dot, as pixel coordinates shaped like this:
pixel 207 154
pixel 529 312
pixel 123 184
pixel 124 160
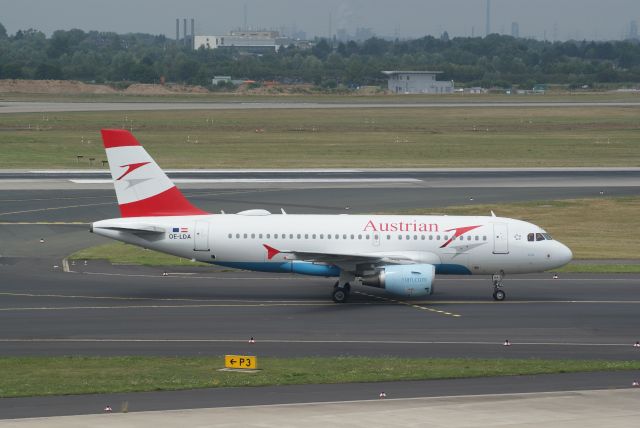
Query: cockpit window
pixel 539 237
pixel 547 237
pixel 531 237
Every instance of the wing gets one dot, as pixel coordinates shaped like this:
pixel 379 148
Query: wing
pixel 352 259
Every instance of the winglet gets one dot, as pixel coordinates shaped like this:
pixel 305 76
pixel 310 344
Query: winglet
pixel 271 252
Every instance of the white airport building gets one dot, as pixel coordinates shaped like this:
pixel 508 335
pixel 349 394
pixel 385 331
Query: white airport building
pixel 248 41
pixel 417 82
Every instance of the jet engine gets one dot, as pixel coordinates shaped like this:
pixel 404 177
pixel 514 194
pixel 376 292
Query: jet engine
pixel 403 280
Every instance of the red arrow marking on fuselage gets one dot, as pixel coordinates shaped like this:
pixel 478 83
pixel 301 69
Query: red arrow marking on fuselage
pixel 459 232
pixel 271 252
pixel 130 168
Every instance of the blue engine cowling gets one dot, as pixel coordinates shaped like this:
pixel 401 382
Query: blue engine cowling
pixel 404 280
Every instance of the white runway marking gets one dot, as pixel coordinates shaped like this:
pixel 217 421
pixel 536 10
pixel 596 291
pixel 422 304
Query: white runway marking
pixel 266 180
pixel 319 341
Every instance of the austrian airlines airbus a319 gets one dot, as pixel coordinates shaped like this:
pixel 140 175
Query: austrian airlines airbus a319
pixel 401 254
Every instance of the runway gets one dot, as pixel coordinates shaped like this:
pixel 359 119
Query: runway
pixel 50 107
pixel 450 178
pixel 99 309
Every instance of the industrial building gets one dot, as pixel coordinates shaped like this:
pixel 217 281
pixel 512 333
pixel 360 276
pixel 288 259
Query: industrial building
pixel 247 41
pixel 417 82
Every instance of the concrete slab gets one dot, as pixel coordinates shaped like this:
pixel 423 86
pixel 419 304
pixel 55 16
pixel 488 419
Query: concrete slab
pixel 610 408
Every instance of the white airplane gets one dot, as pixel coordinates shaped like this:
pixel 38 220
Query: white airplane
pixel 399 253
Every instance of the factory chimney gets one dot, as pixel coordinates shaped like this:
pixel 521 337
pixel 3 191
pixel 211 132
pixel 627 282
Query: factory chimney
pixel 488 21
pixel 193 28
pixel 177 29
pixel 184 30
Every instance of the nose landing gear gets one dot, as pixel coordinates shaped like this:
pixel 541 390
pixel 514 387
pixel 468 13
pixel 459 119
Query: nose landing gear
pixel 498 294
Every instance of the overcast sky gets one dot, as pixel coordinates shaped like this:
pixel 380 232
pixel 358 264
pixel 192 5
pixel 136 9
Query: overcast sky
pixel 560 19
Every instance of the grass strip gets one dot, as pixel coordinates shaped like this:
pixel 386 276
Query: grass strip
pixel 350 137
pixel 125 254
pixel 32 376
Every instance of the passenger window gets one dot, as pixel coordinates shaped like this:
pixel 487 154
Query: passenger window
pixel 328 236
pixel 430 237
pixel 415 237
pixel 437 237
pixel 366 236
pixel 268 235
pixel 469 238
pixel 313 236
pixel 484 238
pixel 230 236
pixel 298 236
pixel 275 236
pixel 245 236
pixel 337 236
pixel 237 236
pixel 530 237
pixel 399 237
pixel 359 236
pixel 260 236
pixel 322 236
pixel 388 237
pixel 477 238
pixel 422 237
pixel 408 237
pixel 306 236
pixel 539 237
pixel 375 237
pixel 344 236
pixel 291 236
pixel 253 236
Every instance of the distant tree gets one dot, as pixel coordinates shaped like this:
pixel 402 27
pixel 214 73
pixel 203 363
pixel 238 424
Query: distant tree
pixel 3 31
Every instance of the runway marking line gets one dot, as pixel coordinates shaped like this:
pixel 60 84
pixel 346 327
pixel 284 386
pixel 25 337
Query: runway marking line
pixel 415 305
pixel 295 341
pixel 57 208
pixel 200 306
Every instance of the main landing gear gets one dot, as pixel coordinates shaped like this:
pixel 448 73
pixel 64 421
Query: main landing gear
pixel 342 287
pixel 341 294
pixel 498 294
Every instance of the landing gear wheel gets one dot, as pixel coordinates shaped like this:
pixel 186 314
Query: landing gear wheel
pixel 340 294
pixel 499 295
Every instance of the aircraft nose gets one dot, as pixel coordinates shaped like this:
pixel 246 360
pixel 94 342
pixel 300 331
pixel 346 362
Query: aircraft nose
pixel 564 254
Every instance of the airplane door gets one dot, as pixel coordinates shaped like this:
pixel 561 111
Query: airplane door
pixel 201 236
pixel 500 238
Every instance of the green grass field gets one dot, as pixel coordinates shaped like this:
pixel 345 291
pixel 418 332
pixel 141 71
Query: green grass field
pixel 582 224
pixel 31 376
pixel 311 138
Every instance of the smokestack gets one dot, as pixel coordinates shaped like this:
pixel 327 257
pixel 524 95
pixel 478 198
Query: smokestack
pixel 184 30
pixel 488 29
pixel 193 28
pixel 245 18
pixel 177 29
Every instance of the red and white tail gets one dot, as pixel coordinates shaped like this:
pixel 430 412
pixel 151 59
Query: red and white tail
pixel 142 188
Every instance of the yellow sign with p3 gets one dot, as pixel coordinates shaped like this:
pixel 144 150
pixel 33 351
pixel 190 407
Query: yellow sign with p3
pixel 240 362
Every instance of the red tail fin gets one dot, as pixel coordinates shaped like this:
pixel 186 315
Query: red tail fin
pixel 142 188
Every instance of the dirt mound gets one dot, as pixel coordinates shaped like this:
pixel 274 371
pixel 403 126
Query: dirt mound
pixel 147 89
pixel 53 87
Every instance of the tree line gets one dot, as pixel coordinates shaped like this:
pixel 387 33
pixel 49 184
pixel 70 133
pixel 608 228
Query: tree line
pixel 492 61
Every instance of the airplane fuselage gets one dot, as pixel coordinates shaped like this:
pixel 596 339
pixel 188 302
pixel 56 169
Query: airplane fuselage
pixel 462 245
